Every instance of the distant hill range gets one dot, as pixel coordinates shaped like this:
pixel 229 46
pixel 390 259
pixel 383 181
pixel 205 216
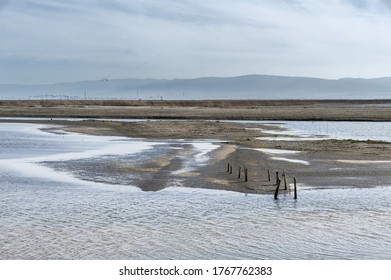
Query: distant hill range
pixel 242 87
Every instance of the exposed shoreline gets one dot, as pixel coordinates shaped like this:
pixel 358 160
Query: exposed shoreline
pixel 331 163
pixel 331 110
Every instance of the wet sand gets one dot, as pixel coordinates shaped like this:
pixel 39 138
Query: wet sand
pixel 315 164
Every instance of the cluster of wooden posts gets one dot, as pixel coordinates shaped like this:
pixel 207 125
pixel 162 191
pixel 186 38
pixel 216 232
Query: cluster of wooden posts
pixel 278 180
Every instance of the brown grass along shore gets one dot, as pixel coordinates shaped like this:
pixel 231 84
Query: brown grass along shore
pixel 354 110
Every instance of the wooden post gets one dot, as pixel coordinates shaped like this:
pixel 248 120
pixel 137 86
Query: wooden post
pixel 245 174
pixel 228 168
pixel 284 181
pixel 294 183
pixel 268 175
pixel 277 177
pixel 277 189
pixel 240 170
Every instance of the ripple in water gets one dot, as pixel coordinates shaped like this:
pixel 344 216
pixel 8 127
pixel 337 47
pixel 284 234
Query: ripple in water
pixel 71 222
pixel 44 218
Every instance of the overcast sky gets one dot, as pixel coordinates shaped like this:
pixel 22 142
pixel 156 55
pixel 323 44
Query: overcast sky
pixel 47 41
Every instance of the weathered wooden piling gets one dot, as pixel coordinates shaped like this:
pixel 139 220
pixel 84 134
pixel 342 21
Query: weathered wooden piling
pixel 277 189
pixel 277 178
pixel 228 167
pixel 283 175
pixel 295 189
pixel 268 175
pixel 245 174
pixel 240 170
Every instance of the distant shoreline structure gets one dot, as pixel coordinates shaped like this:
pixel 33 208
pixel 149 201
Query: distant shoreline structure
pixel 193 103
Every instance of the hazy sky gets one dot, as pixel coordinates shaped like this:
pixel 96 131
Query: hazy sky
pixel 45 41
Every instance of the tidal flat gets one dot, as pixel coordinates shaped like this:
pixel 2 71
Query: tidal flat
pixel 159 189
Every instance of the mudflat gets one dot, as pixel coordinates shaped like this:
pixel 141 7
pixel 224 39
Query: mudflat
pixel 314 164
pixel 337 110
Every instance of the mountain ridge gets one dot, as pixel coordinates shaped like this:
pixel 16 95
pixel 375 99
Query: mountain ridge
pixel 252 86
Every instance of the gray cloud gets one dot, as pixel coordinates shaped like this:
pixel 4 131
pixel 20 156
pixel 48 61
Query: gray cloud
pixel 54 40
pixel 374 6
pixel 387 3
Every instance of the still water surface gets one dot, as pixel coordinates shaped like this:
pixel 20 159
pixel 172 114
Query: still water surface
pixel 363 131
pixel 47 214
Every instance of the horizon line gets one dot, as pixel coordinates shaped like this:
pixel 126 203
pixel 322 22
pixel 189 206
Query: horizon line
pixel 108 78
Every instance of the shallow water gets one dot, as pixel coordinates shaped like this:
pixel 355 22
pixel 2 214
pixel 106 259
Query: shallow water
pixel 311 130
pixel 48 214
